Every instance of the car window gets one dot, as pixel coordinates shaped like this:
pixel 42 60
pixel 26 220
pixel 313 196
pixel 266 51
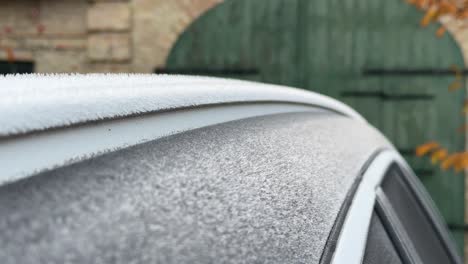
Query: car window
pixel 379 247
pixel 415 220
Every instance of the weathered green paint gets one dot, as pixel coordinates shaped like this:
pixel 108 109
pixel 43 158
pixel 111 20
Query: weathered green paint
pixel 323 46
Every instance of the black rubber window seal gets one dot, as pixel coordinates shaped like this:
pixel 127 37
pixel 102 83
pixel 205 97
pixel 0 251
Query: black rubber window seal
pixel 395 229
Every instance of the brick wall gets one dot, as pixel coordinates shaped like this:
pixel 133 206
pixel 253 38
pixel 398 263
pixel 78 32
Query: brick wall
pixel 94 36
pixel 157 24
pixel 51 33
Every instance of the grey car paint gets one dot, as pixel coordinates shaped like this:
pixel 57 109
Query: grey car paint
pixel 264 189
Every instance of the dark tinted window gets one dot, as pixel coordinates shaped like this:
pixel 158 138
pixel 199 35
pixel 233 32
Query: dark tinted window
pixel 379 248
pixel 7 67
pixel 414 218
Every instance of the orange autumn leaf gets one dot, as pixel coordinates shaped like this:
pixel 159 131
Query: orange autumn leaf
pixel 431 15
pixel 455 86
pixel 433 9
pixel 457 161
pixel 461 162
pixel 439 155
pixel 447 8
pixel 450 161
pixel 465 107
pixel 441 31
pixel 463 15
pixel 426 148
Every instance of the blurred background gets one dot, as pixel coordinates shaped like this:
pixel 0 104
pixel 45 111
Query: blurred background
pixel 382 57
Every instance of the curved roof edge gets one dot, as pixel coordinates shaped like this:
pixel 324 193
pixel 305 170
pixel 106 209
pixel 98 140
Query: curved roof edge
pixel 35 102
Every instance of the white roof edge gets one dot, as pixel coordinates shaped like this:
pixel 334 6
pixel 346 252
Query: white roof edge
pixel 39 102
pixel 352 241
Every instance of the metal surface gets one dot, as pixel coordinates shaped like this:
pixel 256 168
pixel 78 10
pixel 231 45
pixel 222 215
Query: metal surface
pixel 59 147
pixel 31 103
pixel 353 238
pixel 325 46
pixel 352 241
pixel 260 190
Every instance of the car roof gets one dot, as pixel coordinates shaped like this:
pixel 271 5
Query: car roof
pixel 81 116
pixel 262 189
pixel 35 102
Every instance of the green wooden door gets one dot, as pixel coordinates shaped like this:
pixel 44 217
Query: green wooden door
pixel 348 49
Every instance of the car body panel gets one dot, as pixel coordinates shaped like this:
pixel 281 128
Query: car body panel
pixel 263 189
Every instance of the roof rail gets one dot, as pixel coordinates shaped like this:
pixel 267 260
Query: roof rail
pixel 30 103
pixel 55 120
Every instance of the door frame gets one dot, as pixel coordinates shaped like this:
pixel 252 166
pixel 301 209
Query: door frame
pixel 352 240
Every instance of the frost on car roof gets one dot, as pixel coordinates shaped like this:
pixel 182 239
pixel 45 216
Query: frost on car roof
pixel 260 190
pixel 38 102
